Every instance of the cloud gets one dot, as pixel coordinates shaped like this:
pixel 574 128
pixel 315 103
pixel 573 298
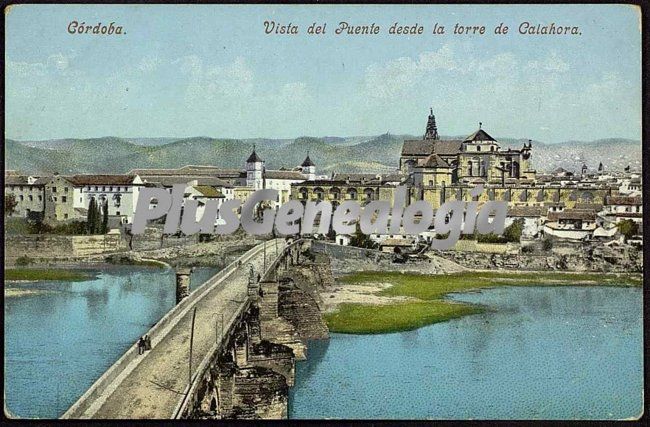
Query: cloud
pixel 148 64
pixel 398 76
pixel 58 61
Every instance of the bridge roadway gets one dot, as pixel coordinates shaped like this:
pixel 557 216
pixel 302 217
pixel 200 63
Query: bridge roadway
pixel 153 385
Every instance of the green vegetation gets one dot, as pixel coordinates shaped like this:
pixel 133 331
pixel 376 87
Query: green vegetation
pixel 402 316
pixel 45 274
pixel 362 240
pixel 511 233
pixel 628 228
pixel 21 226
pixel 428 291
pixel 10 204
pixel 14 226
pixel 23 261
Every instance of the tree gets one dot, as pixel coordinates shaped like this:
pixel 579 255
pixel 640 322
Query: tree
pixel 512 233
pixel 628 228
pixel 361 240
pixel 104 228
pixel 331 234
pixel 547 244
pixel 10 204
pixel 92 216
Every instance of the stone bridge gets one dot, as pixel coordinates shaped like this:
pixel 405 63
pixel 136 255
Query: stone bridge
pixel 227 350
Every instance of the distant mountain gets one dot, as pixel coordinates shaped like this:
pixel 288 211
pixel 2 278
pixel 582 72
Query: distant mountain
pixel 373 154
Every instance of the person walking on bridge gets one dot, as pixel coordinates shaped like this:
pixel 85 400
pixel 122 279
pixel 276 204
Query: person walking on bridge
pixel 141 345
pixel 147 342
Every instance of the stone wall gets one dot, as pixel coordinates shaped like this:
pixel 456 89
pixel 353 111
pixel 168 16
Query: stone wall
pixel 491 248
pixel 594 259
pixel 251 375
pixel 349 252
pixel 53 246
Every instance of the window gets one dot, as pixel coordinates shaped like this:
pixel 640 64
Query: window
pixel 431 183
pixel 40 198
pixel 64 199
pixel 54 198
pixel 110 189
pixel 65 189
pixel 81 199
pixel 53 189
pixel 22 197
pixel 31 198
pixel 117 213
pixel 491 147
pixel 478 148
pixel 95 188
pixel 65 216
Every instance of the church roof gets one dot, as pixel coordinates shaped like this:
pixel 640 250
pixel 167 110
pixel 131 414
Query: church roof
pixel 254 158
pixel 435 161
pixel 447 147
pixel 278 174
pixel 307 162
pixel 424 147
pixel 479 135
pixel 417 147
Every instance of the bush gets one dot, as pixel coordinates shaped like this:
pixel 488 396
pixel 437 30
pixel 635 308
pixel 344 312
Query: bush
pixel 628 228
pixel 528 249
pixel 23 261
pixel 490 238
pixel 70 228
pixel 15 226
pixel 361 240
pixel 512 233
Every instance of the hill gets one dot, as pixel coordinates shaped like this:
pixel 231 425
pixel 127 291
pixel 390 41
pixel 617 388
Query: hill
pixel 371 154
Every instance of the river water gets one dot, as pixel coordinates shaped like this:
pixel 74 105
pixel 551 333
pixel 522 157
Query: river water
pixel 539 353
pixel 59 342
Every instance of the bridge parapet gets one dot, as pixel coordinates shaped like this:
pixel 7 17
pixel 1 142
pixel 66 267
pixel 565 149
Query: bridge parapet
pixel 93 398
pixel 196 392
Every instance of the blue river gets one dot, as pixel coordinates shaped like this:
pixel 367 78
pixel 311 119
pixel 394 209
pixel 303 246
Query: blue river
pixel 538 353
pixel 57 343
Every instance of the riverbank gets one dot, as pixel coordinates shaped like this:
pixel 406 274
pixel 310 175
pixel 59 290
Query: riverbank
pixel 393 301
pixel 37 274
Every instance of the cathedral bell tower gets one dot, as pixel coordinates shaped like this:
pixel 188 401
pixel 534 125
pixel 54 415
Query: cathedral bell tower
pixel 432 130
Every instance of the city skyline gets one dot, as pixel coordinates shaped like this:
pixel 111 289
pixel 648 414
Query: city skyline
pixel 161 80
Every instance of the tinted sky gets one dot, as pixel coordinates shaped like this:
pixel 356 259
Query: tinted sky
pixel 211 70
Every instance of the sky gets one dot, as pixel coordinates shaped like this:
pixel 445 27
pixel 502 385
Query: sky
pixel 210 70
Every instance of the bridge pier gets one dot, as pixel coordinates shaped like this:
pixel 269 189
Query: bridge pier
pixel 248 374
pixel 182 283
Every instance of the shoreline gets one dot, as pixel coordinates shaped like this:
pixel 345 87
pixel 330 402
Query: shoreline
pixel 370 302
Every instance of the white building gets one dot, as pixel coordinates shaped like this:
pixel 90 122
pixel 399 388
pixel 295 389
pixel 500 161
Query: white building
pixel 119 192
pixel 618 208
pixel 571 224
pixel 202 194
pixel 28 192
